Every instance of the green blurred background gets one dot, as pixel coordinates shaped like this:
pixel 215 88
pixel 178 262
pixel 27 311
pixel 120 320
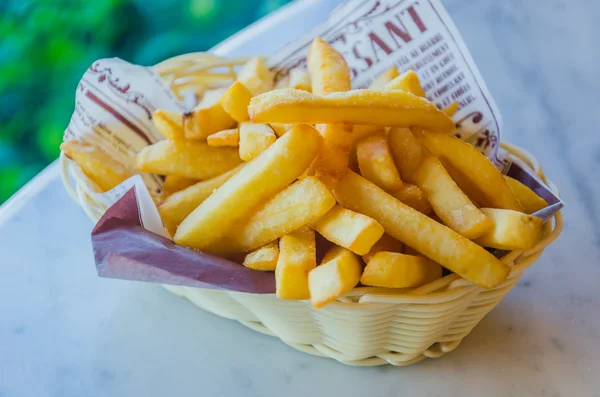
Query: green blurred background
pixel 46 46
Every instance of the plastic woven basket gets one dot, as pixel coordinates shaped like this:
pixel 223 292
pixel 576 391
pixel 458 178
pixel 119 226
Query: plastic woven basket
pixel 366 327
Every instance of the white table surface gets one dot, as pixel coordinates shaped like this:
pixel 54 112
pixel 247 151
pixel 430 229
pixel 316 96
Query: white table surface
pixel 66 332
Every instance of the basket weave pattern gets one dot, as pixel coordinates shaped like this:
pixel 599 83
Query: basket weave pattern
pixel 368 326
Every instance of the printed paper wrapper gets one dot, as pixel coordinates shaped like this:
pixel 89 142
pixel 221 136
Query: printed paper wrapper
pixel 115 101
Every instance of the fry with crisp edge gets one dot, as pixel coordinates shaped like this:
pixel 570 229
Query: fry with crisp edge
pixel 230 137
pixel 256 76
pixel 512 230
pixel 377 164
pixel 529 200
pixel 385 108
pixel 254 139
pixel 328 69
pixel 235 101
pixel 299 80
pixel 407 151
pixel 207 117
pixel 432 239
pixel 332 162
pixel 264 258
pixel 96 164
pixel 176 207
pixel 175 183
pixel 300 204
pixel 384 78
pixel 450 204
pixel 394 270
pixel 338 274
pixel 191 159
pixel 281 129
pixel 414 197
pixel 472 171
pixel 297 257
pixel 451 109
pixel 169 124
pixel 385 243
pixel 349 229
pixel 408 82
pixel 259 180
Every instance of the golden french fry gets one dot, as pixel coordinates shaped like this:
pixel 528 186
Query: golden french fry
pixel 338 274
pixel 169 124
pixel 258 181
pixel 299 80
pixel 96 164
pixel 530 201
pixel 297 257
pixel 384 78
pixel 349 229
pixel 432 239
pixel 472 171
pixel 235 101
pixel 377 164
pixel 281 129
pixel 207 117
pixel 230 137
pixel 175 183
pixel 176 207
pixel 263 258
pixel 254 139
pixel 512 230
pixel 332 162
pixel 408 82
pixel 394 270
pixel 191 159
pixel 449 202
pixel 407 151
pixel 385 108
pixel 328 69
pixel 300 204
pixel 360 132
pixel 451 109
pixel 414 197
pixel 385 243
pixel 256 76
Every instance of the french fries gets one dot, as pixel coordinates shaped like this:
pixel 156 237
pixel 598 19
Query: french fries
pixel 472 171
pixel 394 270
pixel 299 80
pixel 261 179
pixel 376 163
pixel 176 207
pixel 297 257
pixel 529 200
pixel 195 160
pixel 235 101
pixel 451 109
pixel 414 197
pixel 230 137
pixel 408 82
pixel 349 229
pixel 254 139
pixel 385 243
pixel 300 204
pixel 384 78
pixel 169 124
pixel 432 239
pixel 385 108
pixel 175 183
pixel 407 151
pixel 96 164
pixel 332 162
pixel 281 129
pixel 449 202
pixel 256 76
pixel 338 273
pixel 264 258
pixel 328 69
pixel 207 117
pixel 512 230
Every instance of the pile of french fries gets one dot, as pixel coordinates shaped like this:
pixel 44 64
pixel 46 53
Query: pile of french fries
pixel 260 169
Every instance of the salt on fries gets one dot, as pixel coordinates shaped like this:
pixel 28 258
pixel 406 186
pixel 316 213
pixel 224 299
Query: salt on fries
pixel 257 171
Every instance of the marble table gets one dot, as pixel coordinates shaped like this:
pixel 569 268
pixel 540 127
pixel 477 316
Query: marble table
pixel 65 332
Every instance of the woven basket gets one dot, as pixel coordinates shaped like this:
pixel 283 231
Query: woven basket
pixel 366 327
